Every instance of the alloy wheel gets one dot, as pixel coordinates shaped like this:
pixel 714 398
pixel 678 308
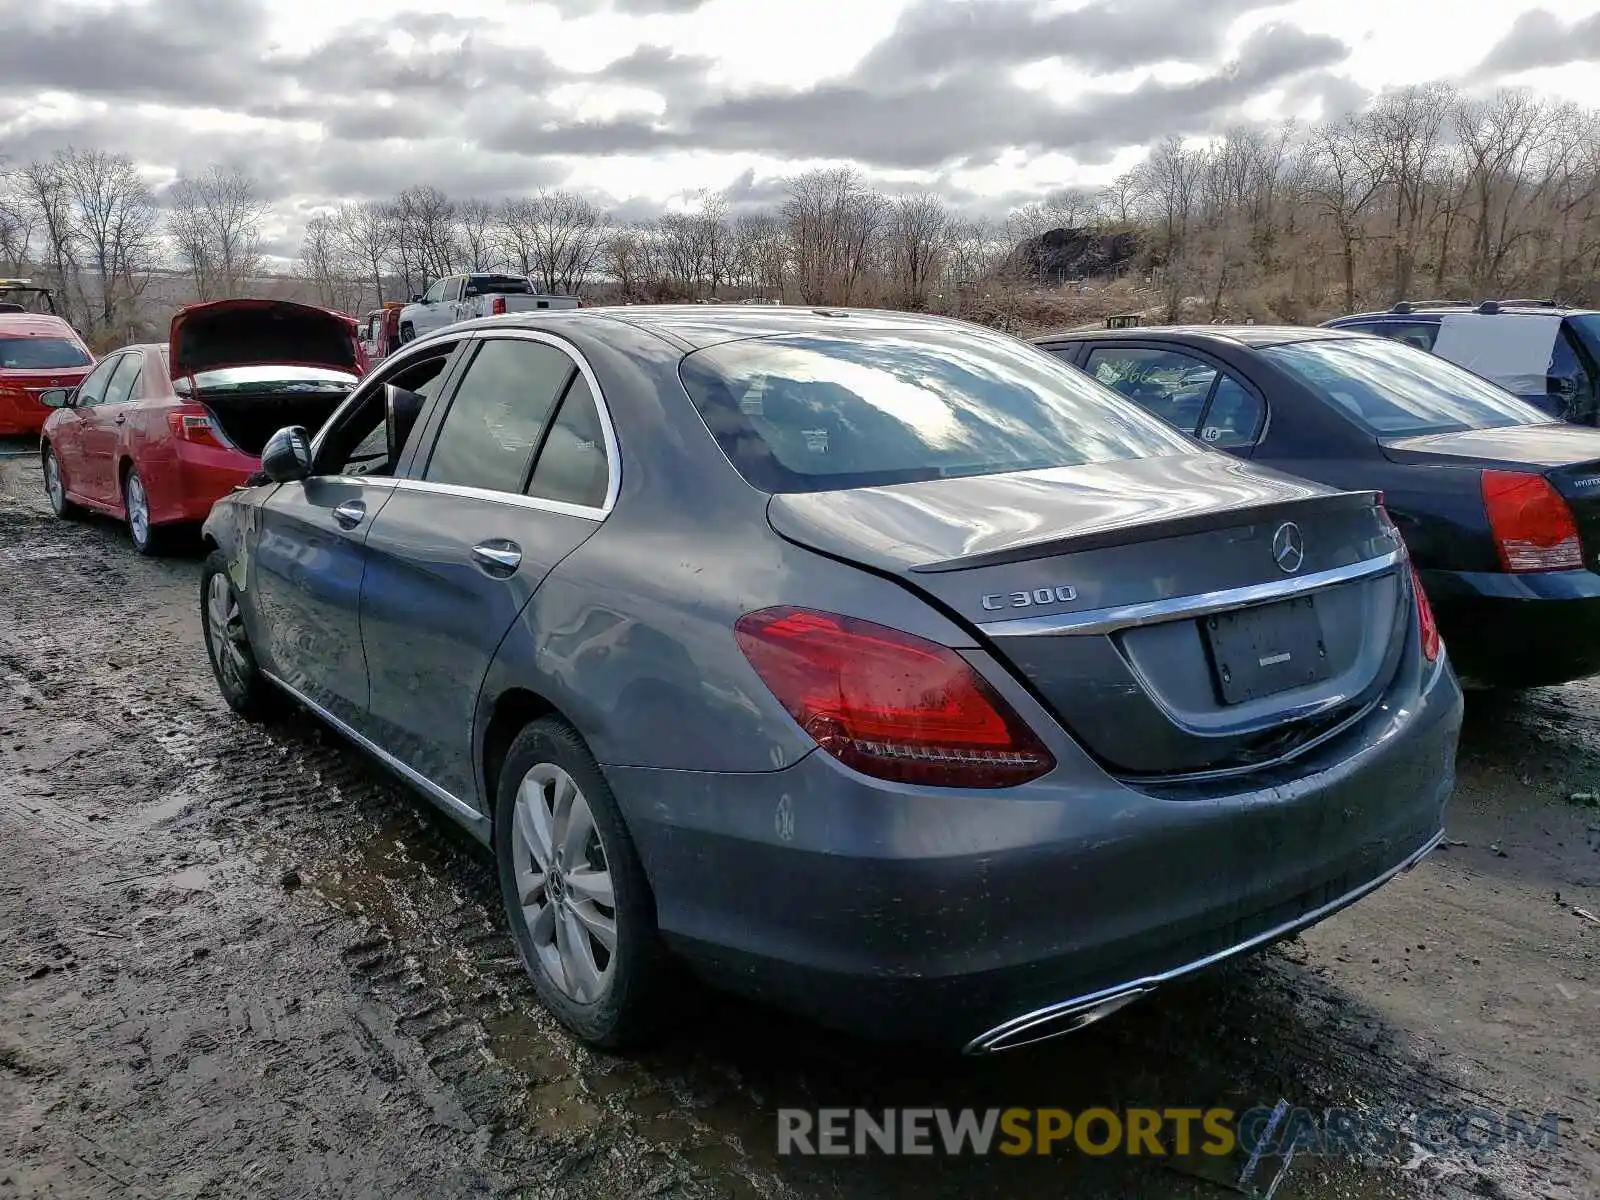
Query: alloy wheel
pixel 564 883
pixel 225 623
pixel 138 509
pixel 52 482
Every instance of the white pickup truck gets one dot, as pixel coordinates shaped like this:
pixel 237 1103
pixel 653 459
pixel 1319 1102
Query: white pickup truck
pixel 479 294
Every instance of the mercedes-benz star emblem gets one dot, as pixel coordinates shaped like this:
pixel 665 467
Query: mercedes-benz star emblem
pixel 1288 548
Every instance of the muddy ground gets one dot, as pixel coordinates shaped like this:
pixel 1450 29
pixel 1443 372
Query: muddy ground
pixel 244 962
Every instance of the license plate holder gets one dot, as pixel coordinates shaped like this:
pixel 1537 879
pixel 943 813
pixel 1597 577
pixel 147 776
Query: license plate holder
pixel 1261 651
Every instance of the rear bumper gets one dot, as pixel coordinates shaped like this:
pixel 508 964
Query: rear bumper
pixel 1518 630
pixel 20 413
pixel 952 919
pixel 200 476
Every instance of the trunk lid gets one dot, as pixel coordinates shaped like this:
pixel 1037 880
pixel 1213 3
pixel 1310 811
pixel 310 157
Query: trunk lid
pixel 1143 600
pixel 1566 455
pixel 249 333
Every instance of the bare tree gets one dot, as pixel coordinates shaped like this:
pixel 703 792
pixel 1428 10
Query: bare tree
pixel 1349 175
pixel 370 234
pixel 42 190
pixel 215 225
pixel 426 242
pixel 554 237
pixel 919 236
pixel 115 223
pixel 328 264
pixel 477 231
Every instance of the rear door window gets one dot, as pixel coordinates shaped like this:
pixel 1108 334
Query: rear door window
pixel 572 466
pixel 1234 417
pixel 1165 383
pixel 498 415
pixel 1421 334
pixel 124 384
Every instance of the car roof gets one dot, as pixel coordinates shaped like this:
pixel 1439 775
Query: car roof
pixel 1239 335
pixel 1499 309
pixel 695 326
pixel 36 325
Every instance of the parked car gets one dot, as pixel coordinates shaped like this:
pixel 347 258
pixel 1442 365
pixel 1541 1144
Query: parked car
pixel 1498 501
pixel 875 665
pixel 158 432
pixel 23 295
pixel 37 353
pixel 1544 352
pixel 380 332
pixel 457 298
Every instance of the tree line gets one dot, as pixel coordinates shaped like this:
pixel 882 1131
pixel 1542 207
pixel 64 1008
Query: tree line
pixel 1424 190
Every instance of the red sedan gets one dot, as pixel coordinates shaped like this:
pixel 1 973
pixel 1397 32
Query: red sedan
pixel 157 433
pixel 37 353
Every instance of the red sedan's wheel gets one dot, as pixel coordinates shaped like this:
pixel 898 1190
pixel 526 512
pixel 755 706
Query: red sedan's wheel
pixel 55 486
pixel 146 538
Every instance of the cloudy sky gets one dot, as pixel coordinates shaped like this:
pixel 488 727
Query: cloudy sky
pixel 644 102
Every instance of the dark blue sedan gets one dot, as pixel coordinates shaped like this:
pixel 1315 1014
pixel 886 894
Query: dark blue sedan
pixel 1499 502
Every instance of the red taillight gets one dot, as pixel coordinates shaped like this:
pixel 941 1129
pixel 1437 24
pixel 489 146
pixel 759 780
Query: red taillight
pixel 890 704
pixel 1533 528
pixel 1427 627
pixel 195 426
pixel 497 307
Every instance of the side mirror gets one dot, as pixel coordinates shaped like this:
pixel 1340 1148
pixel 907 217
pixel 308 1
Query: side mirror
pixel 1563 385
pixel 57 397
pixel 287 455
pixel 416 299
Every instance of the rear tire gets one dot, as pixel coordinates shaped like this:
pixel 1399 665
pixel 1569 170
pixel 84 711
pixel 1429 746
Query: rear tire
pixel 571 880
pixel 148 540
pixel 233 662
pixel 408 332
pixel 55 486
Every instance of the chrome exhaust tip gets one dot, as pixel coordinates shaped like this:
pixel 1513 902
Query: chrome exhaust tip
pixel 1032 1028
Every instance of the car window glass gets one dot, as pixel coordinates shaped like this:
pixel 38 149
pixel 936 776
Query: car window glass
pixel 1512 349
pixel 1421 334
pixel 452 290
pixel 434 294
pixel 1565 363
pixel 1393 390
pixel 1165 383
pixel 41 354
pixel 122 385
pixel 812 413
pixel 572 462
pixel 92 388
pixel 498 411
pixel 364 431
pixel 1234 418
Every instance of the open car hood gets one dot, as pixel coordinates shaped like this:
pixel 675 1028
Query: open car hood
pixel 255 333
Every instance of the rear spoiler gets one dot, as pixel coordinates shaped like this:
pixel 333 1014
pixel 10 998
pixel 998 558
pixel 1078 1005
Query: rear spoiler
pixel 1146 531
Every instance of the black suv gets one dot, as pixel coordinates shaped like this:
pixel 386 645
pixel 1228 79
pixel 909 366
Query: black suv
pixel 1546 353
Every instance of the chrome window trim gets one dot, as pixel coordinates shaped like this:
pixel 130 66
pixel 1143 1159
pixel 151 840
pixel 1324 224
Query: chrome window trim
pixel 515 499
pixel 607 429
pixel 1154 612
pixel 475 821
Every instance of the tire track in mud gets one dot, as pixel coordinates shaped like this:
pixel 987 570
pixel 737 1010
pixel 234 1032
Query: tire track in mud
pixel 111 642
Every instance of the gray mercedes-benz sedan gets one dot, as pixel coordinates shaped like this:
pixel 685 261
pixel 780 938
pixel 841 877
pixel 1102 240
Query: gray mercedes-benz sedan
pixel 878 666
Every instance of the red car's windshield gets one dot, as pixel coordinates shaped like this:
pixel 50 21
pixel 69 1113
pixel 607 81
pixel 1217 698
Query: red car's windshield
pixel 41 354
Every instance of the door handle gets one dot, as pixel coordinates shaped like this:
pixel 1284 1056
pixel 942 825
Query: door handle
pixel 498 556
pixel 349 513
pixel 122 418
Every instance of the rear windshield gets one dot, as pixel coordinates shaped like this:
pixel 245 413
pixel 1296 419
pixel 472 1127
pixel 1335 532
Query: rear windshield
pixel 1393 390
pixel 484 285
pixel 803 413
pixel 1588 327
pixel 41 354
pixel 273 379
